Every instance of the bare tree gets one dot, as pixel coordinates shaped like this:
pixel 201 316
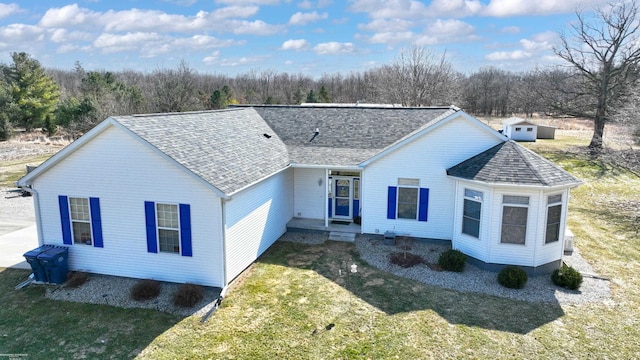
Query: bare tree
pixel 174 90
pixel 603 53
pixel 418 77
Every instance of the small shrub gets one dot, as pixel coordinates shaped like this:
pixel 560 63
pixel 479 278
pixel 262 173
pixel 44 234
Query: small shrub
pixel 405 259
pixel 145 290
pixel 188 295
pixel 567 277
pixel 76 279
pixel 452 260
pixel 512 277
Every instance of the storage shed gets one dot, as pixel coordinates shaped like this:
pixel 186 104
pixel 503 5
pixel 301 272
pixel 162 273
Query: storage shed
pixel 519 129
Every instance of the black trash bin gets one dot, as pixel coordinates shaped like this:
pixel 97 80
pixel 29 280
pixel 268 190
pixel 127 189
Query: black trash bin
pixel 39 274
pixel 55 264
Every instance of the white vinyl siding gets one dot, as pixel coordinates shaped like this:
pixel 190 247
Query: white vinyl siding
pixel 310 193
pixel 123 191
pixel 426 158
pixel 255 218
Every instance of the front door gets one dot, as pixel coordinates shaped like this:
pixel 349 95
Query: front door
pixel 343 198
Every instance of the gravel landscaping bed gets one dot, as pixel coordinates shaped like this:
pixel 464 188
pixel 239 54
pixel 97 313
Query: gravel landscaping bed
pixel 116 291
pixel 538 288
pixel 112 290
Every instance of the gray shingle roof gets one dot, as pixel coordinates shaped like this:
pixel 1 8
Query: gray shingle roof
pixel 347 135
pixel 226 148
pixel 510 163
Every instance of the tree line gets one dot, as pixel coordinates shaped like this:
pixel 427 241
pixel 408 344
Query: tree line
pixel 601 76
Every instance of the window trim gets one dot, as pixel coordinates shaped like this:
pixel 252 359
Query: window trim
pixel 177 229
pixel 515 201
pixel 479 220
pixel 417 202
pixel 550 204
pixel 185 228
pixel 82 240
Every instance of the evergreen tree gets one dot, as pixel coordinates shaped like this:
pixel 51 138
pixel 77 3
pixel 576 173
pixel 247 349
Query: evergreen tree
pixel 33 91
pixel 323 95
pixel 311 97
pixel 220 99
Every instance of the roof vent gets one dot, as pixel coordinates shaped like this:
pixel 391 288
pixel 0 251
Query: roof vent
pixel 315 134
pixel 267 136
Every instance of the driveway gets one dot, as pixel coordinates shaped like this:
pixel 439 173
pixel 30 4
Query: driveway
pixel 14 244
pixel 18 232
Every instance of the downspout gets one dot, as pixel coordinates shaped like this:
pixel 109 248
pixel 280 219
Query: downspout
pixel 36 205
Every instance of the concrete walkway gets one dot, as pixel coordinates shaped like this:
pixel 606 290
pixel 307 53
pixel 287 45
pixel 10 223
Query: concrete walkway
pixel 14 244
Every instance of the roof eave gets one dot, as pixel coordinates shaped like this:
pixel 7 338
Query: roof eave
pixel 520 186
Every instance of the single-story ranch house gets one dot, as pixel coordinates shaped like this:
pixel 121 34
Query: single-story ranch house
pixel 198 196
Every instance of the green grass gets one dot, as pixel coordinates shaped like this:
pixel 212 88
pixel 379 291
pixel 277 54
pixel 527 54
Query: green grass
pixel 47 329
pixel 281 307
pixel 12 171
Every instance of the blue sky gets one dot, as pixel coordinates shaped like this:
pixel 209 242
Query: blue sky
pixel 311 37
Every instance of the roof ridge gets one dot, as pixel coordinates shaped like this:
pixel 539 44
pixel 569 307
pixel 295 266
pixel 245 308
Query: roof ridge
pixel 184 112
pixel 518 148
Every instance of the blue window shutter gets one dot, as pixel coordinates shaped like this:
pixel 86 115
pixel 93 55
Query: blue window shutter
pixel 185 229
pixel 150 216
pixel 423 207
pixel 65 219
pixel 96 222
pixel 391 202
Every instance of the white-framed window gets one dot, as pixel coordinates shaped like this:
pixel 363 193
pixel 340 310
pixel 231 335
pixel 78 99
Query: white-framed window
pixel 515 211
pixel 408 190
pixel 529 129
pixel 168 228
pixel 80 215
pixel 471 212
pixel 554 216
pixel 518 129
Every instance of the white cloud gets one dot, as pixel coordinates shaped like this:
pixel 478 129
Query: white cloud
pixel 392 38
pixel 256 2
pixel 510 29
pixel 63 35
pixel 68 16
pixel 508 55
pixel 295 44
pixel 288 62
pixel 389 25
pixel 257 27
pixel 334 48
pixel 245 60
pixel 16 33
pixel 301 18
pixel 154 44
pixel 504 8
pixel 454 8
pixel 212 59
pixel 8 9
pixel 382 9
pixel 306 4
pixel 111 43
pixel 224 19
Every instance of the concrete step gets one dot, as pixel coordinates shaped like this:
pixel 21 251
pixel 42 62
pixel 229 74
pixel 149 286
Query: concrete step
pixel 342 236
